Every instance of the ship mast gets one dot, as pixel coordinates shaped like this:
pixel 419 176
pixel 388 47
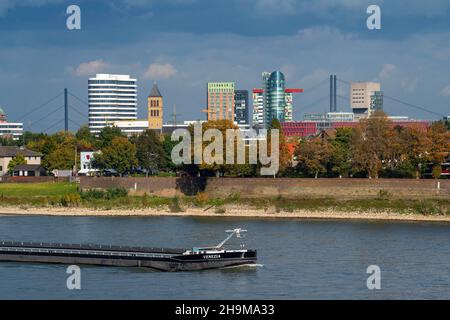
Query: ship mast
pixel 238 232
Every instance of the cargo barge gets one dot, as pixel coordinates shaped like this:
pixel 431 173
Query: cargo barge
pixel 163 259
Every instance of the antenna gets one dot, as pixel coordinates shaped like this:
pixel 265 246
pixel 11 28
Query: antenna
pixel 175 114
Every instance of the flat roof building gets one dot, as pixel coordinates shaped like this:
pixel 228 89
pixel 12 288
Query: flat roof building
pixel 112 97
pixel 220 101
pixel 365 98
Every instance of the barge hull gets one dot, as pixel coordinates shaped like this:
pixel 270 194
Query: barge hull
pixel 161 265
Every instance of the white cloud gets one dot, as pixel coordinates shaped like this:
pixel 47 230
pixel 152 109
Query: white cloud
pixel 157 71
pixel 387 70
pixel 446 91
pixel 90 68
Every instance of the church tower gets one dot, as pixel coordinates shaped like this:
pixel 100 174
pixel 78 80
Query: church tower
pixel 155 109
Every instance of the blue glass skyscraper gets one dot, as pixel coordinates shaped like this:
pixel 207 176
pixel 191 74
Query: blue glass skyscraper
pixel 275 102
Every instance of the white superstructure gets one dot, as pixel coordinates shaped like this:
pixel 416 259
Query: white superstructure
pixel 112 97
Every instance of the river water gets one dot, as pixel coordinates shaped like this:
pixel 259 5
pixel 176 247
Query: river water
pixel 299 259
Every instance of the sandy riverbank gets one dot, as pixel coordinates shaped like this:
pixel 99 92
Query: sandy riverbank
pixel 230 212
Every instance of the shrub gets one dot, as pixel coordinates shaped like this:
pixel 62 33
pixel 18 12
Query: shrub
pixel 145 200
pixel 93 194
pixel 201 198
pixel 175 205
pixel 233 198
pixel 116 193
pixel 428 207
pixel 70 200
pixel 220 210
pixel 383 195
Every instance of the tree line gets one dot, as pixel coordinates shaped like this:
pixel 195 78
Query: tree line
pixel 375 148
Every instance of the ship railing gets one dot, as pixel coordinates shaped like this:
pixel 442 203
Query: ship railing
pixel 91 252
pixel 92 247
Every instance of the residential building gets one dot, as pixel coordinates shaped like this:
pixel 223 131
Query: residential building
pixel 86 158
pixel 258 107
pixel 220 101
pixel 9 130
pixel 28 170
pixel 241 107
pixel 155 105
pixel 364 96
pixel 289 108
pixel 112 97
pixel 9 153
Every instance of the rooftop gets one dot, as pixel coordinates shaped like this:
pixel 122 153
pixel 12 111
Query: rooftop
pixel 15 151
pixel 155 92
pixel 28 167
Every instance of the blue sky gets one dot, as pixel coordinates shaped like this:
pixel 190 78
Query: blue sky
pixel 182 44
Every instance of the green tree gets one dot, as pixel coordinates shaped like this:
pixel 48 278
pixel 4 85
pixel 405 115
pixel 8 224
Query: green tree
pixel 120 155
pixel 62 158
pixel 437 171
pixel 10 142
pixel 107 135
pixel 17 160
pixel 414 148
pixel 370 144
pixel 340 159
pixel 439 138
pixel 149 151
pixel 168 146
pixel 285 159
pixel 313 157
pixel 84 134
pixel 222 126
pixel 62 152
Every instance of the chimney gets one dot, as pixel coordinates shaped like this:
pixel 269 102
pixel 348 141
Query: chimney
pixel 335 94
pixel 331 93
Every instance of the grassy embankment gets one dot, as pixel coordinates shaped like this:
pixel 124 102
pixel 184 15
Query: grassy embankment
pixel 41 195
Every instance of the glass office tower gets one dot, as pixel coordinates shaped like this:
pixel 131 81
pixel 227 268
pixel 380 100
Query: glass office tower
pixel 276 100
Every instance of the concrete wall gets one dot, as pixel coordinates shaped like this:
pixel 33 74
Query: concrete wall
pixel 268 187
pixel 338 188
pixel 166 187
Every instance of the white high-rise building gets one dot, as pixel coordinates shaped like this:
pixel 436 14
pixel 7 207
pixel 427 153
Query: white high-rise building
pixel 258 107
pixel 112 97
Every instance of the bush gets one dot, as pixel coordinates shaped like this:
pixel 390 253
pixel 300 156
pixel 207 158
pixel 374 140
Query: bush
pixel 201 198
pixel 70 200
pixel 428 207
pixel 116 193
pixel 93 194
pixel 175 205
pixel 220 210
pixel 233 198
pixel 383 195
pixel 145 200
pixel 109 194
